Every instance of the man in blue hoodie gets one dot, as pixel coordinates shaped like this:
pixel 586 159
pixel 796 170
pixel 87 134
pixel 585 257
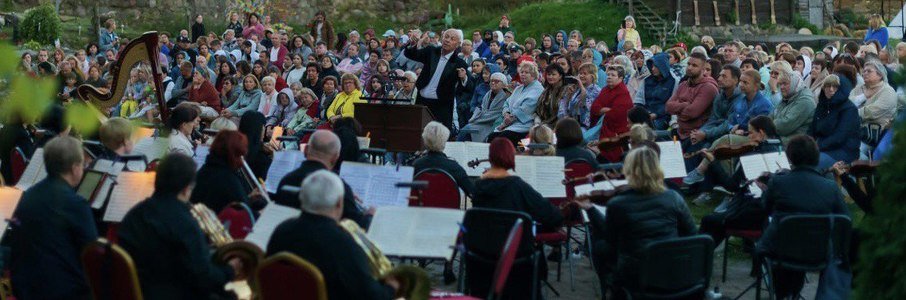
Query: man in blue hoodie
pixel 658 89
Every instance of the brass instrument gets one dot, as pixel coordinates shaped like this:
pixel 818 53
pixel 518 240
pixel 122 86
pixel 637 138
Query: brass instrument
pixel 225 247
pixel 143 48
pixel 414 281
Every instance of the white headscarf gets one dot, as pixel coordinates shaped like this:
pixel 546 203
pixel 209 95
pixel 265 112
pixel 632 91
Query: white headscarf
pixel 807 67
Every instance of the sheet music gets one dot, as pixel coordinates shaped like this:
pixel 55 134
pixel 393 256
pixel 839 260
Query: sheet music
pixel 463 152
pixel 376 185
pixel 672 162
pixel 422 232
pixel 776 161
pixel 284 162
pixel 152 148
pixel 201 154
pixel 272 215
pixel 544 173
pixel 364 142
pixel 34 172
pixel 103 165
pixel 602 209
pixel 9 199
pixel 586 189
pixel 101 197
pixel 753 165
pixel 131 188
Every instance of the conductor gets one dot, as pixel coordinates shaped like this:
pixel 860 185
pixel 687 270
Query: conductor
pixel 437 81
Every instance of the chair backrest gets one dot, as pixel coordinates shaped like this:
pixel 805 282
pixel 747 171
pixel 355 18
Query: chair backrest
pixel 287 276
pixel 17 163
pixel 804 239
pixel 238 219
pixel 152 166
pixel 442 191
pixel 576 168
pixel 486 231
pixel 675 267
pixel 507 258
pixel 110 271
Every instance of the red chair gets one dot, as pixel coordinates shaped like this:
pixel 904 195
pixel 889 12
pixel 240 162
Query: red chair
pixel 287 276
pixel 751 235
pixel 110 271
pixel 152 166
pixel 576 168
pixel 238 219
pixel 507 258
pixel 442 191
pixel 112 229
pixel 17 162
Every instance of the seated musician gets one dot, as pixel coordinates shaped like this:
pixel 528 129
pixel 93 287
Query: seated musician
pixel 435 138
pixel 835 125
pixel 317 237
pixel 183 120
pixel 349 130
pixel 54 224
pixel 170 251
pixel 260 153
pixel 761 129
pixel 784 196
pixel 219 181
pixel 116 137
pixel 322 153
pixel 13 134
pixel 645 213
pixel 570 143
pixel 541 135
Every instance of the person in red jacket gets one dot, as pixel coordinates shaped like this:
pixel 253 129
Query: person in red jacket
pixel 691 101
pixel 613 104
pixel 204 93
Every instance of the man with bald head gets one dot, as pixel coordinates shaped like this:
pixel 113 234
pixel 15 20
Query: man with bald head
pixel 437 82
pixel 322 153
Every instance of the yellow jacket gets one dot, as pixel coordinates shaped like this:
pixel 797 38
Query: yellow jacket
pixel 344 104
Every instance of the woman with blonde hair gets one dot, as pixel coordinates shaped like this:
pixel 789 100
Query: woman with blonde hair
pixel 629 34
pixel 877 30
pixel 541 135
pixel 646 212
pixel 344 104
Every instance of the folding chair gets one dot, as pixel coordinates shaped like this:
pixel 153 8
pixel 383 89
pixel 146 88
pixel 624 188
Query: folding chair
pixel 238 219
pixel 110 271
pixel 287 276
pixel 442 191
pixel 507 258
pixel 17 162
pixel 485 235
pixel 674 268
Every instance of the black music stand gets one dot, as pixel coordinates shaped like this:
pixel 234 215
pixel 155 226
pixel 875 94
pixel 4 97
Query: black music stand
pixel 395 127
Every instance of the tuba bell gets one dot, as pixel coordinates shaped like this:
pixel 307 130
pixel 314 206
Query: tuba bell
pixel 225 247
pixel 414 281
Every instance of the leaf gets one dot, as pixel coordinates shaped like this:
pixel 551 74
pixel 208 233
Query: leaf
pixel 29 98
pixel 82 117
pixel 8 59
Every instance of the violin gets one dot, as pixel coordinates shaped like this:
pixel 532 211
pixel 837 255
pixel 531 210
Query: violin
pixel 593 177
pixel 859 168
pixel 475 162
pixel 723 152
pixel 618 141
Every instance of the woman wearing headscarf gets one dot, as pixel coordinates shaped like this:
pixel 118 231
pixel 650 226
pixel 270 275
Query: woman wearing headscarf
pixel 793 114
pixel 259 155
pixel 488 114
pixel 877 103
pixel 804 67
pixel 835 125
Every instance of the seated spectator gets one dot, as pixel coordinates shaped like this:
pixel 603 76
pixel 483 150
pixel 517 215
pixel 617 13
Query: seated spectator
pixel 204 93
pixel 488 114
pixel 835 126
pixel 794 113
pixel 344 103
pixel 692 99
pixel 519 108
pixel 285 111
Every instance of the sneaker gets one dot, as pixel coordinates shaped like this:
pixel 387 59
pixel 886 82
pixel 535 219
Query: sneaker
pixel 693 177
pixel 722 190
pixel 702 199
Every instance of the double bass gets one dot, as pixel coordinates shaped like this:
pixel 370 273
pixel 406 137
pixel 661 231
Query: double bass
pixel 143 48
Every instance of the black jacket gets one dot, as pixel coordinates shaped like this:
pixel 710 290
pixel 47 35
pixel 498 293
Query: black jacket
pixel 835 126
pixel 577 152
pixel 429 56
pixel 170 251
pixel 511 193
pixel 438 160
pixel 251 124
pixel 295 178
pixel 217 185
pixel 13 135
pixel 634 220
pixel 322 242
pixel 804 190
pixel 198 31
pixel 54 224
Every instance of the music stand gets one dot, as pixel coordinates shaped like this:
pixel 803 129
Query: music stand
pixel 394 127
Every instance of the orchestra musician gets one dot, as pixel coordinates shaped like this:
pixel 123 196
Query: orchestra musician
pixel 218 182
pixel 260 154
pixel 761 129
pixel 116 137
pixel 435 136
pixel 183 120
pixel 317 237
pixel 14 134
pixel 498 189
pixel 322 153
pixel 570 143
pixel 644 213
pixel 51 226
pixel 541 135
pixel 170 251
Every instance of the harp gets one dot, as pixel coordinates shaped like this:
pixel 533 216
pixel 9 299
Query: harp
pixel 143 48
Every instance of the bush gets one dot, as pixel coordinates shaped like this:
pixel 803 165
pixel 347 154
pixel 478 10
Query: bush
pixel 41 24
pixel 800 22
pixel 32 45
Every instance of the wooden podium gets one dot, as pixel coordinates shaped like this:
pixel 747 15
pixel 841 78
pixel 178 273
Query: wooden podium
pixel 394 127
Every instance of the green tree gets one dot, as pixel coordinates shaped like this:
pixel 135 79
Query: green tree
pixel 41 24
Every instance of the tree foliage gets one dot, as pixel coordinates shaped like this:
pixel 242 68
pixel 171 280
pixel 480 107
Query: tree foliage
pixel 41 24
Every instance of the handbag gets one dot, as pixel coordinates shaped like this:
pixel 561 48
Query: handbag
pixel 592 133
pixel 871 134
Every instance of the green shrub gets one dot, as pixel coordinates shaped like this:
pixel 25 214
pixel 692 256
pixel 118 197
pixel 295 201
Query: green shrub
pixel 32 45
pixel 800 22
pixel 880 272
pixel 41 24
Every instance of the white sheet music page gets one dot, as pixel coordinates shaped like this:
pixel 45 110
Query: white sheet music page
pixel 272 215
pixel 9 199
pixel 101 197
pixel 586 189
pixel 464 152
pixel 130 189
pixel 543 173
pixel 153 148
pixel 753 165
pixel 672 162
pixel 421 232
pixel 284 162
pixel 34 172
pixel 456 151
pixel 376 185
pixel 776 161
pixel 201 154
